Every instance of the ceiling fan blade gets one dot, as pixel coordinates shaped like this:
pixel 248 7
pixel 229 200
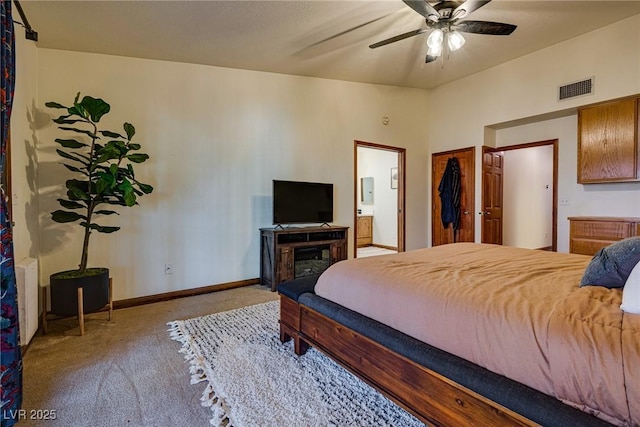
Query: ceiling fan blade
pixel 467 7
pixel 398 38
pixel 357 27
pixel 423 8
pixel 430 58
pixel 485 27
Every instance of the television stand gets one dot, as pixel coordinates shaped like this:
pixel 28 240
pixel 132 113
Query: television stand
pixel 282 227
pixel 290 253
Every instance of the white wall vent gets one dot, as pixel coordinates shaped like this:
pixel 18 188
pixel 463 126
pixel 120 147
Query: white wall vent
pixel 571 90
pixel 27 284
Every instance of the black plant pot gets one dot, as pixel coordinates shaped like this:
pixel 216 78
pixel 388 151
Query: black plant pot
pixel 64 292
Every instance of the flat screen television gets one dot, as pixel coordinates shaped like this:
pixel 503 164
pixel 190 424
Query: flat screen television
pixel 296 202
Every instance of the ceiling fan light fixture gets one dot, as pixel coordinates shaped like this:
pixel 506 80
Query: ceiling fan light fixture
pixel 446 19
pixel 435 39
pixel 455 41
pixel 434 51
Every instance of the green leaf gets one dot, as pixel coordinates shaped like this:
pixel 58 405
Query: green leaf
pixel 105 212
pixel 113 150
pixel 77 110
pixel 110 134
pixel 117 145
pixel 133 146
pixel 86 132
pixel 128 194
pixel 53 105
pixel 64 119
pixel 146 188
pixel 107 155
pixel 138 158
pixel 67 121
pixel 96 107
pixel 71 143
pixel 131 174
pixel 100 228
pixel 64 216
pixel 106 181
pixel 130 130
pixel 69 204
pixel 78 189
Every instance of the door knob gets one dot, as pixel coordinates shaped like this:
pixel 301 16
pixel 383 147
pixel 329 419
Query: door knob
pixel 466 212
pixel 484 213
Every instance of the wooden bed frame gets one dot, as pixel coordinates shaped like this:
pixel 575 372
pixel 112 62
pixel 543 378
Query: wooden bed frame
pixel 431 397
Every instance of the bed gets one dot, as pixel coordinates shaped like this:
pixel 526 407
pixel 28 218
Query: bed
pixel 475 334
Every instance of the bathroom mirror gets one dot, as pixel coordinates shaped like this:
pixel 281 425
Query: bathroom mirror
pixel 366 190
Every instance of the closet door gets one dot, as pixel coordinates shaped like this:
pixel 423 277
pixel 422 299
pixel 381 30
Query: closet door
pixel 466 231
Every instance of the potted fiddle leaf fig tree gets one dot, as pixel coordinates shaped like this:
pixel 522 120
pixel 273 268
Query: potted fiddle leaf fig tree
pixel 103 164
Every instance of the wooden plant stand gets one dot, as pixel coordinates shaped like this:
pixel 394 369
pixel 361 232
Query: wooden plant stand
pixel 80 308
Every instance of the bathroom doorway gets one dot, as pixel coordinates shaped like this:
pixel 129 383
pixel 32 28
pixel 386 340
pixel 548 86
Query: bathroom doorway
pixel 379 199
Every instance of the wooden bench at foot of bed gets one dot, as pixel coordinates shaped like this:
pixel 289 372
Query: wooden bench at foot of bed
pixel 429 396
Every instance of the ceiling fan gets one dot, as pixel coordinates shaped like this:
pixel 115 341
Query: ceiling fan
pixel 446 20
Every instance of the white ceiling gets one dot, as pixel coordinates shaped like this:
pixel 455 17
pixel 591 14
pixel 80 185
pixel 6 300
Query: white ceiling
pixel 316 38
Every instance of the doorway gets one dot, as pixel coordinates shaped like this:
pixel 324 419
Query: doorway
pixel 379 199
pixel 520 195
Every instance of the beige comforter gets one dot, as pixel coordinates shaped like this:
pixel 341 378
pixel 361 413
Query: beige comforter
pixel 516 312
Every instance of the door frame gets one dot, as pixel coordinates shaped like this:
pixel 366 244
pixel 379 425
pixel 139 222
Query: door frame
pixel 554 209
pixel 402 167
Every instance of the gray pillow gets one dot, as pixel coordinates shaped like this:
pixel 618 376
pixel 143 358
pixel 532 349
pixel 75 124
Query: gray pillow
pixel 611 265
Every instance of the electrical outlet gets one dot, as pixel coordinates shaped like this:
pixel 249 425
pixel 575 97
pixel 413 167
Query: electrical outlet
pixel 564 202
pixel 168 269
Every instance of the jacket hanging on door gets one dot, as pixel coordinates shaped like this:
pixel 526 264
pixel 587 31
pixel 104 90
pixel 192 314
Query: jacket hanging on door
pixel 449 189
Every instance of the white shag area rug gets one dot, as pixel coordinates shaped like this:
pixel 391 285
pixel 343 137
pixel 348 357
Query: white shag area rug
pixel 255 380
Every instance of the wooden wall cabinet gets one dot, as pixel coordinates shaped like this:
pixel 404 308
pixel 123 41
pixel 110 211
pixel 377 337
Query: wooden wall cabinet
pixel 365 231
pixel 587 234
pixel 289 253
pixel 608 142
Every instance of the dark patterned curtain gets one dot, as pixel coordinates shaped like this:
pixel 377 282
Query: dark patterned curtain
pixel 11 373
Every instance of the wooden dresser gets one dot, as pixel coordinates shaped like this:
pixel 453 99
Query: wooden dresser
pixel 587 234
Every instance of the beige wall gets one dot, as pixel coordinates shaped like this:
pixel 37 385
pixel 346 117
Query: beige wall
pixel 217 138
pixel 476 110
pixel 24 165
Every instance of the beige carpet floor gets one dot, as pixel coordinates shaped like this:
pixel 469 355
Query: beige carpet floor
pixel 126 372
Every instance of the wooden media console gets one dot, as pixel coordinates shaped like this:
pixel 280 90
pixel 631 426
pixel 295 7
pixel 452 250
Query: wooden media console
pixel 291 253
